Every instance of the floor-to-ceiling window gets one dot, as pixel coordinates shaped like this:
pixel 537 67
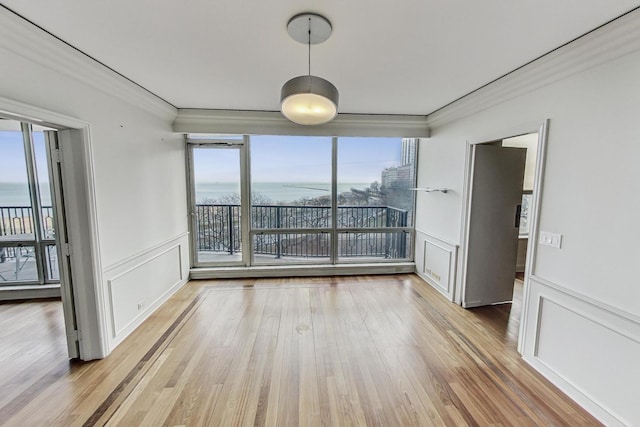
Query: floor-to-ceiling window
pixel 282 200
pixel 375 213
pixel 28 252
pixel 291 215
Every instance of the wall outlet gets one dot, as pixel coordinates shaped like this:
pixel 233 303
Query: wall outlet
pixel 141 305
pixel 551 239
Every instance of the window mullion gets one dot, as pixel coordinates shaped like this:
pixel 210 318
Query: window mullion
pixel 245 201
pixel 334 200
pixel 34 192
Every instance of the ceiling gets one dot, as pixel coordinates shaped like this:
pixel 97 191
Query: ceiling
pixel 403 57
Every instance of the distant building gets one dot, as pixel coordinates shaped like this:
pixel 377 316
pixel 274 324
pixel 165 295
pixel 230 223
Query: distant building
pixel 408 156
pixel 404 173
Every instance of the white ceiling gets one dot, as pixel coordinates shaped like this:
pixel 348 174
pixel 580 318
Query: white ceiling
pixel 401 57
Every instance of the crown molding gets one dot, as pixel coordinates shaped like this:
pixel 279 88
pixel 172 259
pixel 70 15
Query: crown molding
pixel 15 110
pixel 35 44
pixel 616 39
pixel 274 123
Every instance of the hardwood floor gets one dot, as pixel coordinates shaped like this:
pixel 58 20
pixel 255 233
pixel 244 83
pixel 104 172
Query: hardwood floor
pixel 366 350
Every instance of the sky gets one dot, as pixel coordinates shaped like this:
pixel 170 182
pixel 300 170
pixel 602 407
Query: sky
pixel 273 159
pixel 12 161
pixel 302 159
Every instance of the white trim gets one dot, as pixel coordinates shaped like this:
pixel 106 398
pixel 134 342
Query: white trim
pixel 621 314
pixel 90 306
pixel 126 330
pixel 143 253
pixel 24 112
pixel 451 249
pixel 534 226
pixel 303 270
pixel 137 263
pixel 436 237
pixel 614 40
pixel 533 127
pixel 134 262
pixel 91 318
pixel 464 226
pixel 612 319
pixel 27 40
pixel 273 123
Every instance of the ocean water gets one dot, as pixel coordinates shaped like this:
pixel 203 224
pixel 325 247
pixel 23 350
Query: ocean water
pixel 272 191
pixel 17 194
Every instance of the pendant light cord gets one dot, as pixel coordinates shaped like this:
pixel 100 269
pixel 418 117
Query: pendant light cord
pixel 309 44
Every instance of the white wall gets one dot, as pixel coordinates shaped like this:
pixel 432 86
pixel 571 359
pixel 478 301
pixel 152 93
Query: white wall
pixel 583 318
pixel 530 142
pixel 138 162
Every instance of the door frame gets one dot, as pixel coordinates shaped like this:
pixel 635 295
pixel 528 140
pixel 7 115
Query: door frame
pixel 542 128
pixel 245 191
pixel 76 152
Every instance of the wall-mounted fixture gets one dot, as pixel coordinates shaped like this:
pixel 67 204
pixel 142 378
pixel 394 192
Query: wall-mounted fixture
pixel 430 190
pixel 309 100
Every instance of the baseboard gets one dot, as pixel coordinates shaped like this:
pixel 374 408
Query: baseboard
pixel 302 270
pixel 10 293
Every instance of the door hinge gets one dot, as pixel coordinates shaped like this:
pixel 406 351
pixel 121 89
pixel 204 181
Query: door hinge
pixel 66 249
pixel 56 156
pixel 75 335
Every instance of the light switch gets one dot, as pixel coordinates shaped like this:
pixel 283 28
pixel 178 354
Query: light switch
pixel 551 239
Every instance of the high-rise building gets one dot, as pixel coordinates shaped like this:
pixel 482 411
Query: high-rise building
pixel 405 172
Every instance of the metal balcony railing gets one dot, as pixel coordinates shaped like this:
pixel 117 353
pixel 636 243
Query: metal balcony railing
pixel 18 221
pixel 218 230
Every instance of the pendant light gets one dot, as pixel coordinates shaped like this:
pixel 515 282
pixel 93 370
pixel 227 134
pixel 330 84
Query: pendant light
pixel 309 100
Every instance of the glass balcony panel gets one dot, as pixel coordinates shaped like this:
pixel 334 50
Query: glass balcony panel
pixel 51 263
pixel 18 264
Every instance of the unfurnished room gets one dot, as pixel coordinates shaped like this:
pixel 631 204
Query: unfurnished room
pixel 319 214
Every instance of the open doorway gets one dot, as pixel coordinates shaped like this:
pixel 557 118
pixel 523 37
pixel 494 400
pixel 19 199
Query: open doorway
pixel 500 219
pixel 75 168
pixel 34 248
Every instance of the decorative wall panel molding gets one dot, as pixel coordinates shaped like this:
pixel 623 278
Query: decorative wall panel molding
pixel 136 286
pixel 436 262
pixel 578 345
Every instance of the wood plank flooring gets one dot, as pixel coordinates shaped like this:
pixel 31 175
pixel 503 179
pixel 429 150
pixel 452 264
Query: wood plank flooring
pixel 366 350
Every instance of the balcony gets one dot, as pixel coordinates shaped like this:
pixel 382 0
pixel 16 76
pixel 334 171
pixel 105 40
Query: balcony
pixel 360 234
pixel 218 233
pixel 19 250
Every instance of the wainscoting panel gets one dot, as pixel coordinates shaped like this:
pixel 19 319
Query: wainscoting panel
pixel 578 344
pixel 436 262
pixel 138 285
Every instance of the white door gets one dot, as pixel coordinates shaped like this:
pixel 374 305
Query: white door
pixel 496 195
pixel 62 243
